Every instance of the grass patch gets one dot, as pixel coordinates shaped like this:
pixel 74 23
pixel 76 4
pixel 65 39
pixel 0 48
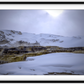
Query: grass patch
pixel 12 58
pixel 79 51
pixel 15 58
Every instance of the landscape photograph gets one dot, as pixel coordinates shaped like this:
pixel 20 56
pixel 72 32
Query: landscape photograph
pixel 41 42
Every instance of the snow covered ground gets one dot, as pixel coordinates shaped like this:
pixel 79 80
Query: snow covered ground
pixel 54 62
pixel 39 65
pixel 43 39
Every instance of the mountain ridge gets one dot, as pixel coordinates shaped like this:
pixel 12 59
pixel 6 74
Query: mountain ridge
pixel 12 38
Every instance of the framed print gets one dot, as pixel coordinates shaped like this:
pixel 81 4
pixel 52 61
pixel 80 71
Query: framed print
pixel 41 42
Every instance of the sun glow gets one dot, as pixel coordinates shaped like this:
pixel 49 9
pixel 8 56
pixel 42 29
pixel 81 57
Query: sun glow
pixel 54 13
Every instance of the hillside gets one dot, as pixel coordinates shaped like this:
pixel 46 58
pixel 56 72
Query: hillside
pixel 40 54
pixel 13 38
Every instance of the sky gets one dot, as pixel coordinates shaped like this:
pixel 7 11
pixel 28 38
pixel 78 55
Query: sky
pixel 58 22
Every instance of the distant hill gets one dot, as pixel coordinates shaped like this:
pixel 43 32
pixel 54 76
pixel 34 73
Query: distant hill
pixel 13 38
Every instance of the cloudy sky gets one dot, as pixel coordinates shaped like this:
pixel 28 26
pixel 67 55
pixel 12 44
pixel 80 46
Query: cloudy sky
pixel 59 22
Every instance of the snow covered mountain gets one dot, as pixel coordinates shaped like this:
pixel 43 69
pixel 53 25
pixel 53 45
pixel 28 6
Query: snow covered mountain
pixel 68 63
pixel 14 38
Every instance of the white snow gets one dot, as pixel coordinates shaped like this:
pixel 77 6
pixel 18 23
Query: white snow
pixel 45 39
pixel 39 65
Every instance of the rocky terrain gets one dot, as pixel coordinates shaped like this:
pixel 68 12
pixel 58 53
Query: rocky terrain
pixel 12 38
pixel 22 52
pixel 18 50
pixel 17 46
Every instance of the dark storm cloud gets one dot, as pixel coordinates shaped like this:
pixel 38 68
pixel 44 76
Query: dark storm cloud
pixel 69 23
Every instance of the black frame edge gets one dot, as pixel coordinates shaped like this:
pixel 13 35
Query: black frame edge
pixel 41 2
pixel 41 81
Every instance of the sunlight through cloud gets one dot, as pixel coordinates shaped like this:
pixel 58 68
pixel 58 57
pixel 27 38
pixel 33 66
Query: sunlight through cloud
pixel 54 13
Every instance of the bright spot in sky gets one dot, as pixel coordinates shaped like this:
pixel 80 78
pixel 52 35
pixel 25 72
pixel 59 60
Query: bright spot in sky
pixel 54 13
